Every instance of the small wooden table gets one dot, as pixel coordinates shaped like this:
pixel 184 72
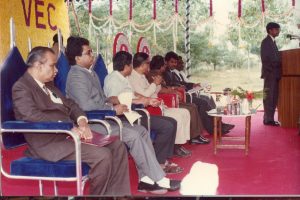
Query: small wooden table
pixel 218 133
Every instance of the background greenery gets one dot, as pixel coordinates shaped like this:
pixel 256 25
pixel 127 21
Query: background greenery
pixel 210 52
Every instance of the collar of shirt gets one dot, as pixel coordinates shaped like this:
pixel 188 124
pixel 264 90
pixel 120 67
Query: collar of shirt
pixel 272 38
pixel 89 70
pixel 175 71
pixel 123 78
pixel 53 97
pixel 40 84
pixel 135 73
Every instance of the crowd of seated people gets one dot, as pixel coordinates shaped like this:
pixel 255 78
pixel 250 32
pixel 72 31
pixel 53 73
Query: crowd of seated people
pixel 140 86
pixel 83 86
pixel 144 77
pixel 157 66
pixel 204 102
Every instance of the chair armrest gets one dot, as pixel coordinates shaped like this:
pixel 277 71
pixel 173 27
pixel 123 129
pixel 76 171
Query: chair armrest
pixel 137 106
pixel 24 127
pixel 99 114
pixel 37 125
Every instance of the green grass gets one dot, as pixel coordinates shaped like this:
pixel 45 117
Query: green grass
pixel 232 78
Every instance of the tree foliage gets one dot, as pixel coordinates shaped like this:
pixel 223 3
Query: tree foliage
pixel 203 48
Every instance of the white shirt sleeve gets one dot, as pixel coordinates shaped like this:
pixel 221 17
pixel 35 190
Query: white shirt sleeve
pixel 141 85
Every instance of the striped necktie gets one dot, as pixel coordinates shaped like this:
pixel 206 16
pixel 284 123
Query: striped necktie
pixel 46 90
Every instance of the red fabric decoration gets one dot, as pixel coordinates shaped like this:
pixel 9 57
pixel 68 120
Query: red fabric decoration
pixel 262 5
pixel 293 3
pixel 210 8
pixel 154 9
pixel 90 6
pixel 176 6
pixel 240 8
pixel 130 10
pixel 110 7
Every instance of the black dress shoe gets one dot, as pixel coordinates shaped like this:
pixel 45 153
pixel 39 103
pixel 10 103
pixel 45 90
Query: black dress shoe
pixel 271 123
pixel 198 140
pixel 154 189
pixel 204 138
pixel 174 185
pixel 185 150
pixel 179 152
pixel 227 126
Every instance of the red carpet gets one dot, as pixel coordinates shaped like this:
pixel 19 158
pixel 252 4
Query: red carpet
pixel 272 166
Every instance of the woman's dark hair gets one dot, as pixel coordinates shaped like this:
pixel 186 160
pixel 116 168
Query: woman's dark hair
pixel 139 58
pixel 37 54
pixel 171 54
pixel 157 62
pixel 74 48
pixel 121 59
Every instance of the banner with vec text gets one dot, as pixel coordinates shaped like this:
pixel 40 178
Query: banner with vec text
pixel 34 19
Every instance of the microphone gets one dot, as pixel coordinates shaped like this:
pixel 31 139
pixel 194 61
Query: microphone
pixel 292 37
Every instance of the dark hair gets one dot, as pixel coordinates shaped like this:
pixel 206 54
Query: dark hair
pixel 171 54
pixel 157 62
pixel 139 58
pixel 37 54
pixel 121 59
pixel 74 48
pixel 55 38
pixel 272 25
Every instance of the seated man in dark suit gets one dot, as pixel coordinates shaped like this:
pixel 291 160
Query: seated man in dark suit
pixel 35 99
pixel 203 102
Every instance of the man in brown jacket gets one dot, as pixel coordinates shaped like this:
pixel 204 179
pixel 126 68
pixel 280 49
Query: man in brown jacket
pixel 35 99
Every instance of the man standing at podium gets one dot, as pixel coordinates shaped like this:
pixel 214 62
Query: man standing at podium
pixel 271 72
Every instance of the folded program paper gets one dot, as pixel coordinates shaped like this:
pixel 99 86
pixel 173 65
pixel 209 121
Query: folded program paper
pixel 126 99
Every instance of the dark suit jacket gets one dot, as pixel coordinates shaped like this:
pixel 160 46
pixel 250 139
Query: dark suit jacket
pixel 271 60
pixel 172 79
pixel 169 78
pixel 32 104
pixel 187 85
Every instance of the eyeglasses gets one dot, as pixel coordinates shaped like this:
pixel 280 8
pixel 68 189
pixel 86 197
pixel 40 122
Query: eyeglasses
pixel 88 53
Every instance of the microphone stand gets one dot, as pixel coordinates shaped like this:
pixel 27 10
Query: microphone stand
pixel 294 37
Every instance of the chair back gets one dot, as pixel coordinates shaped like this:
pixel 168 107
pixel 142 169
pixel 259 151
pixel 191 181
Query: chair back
pixel 11 70
pixel 100 69
pixel 63 68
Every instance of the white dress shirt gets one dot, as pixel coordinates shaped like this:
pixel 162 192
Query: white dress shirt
pixel 115 83
pixel 54 97
pixel 140 84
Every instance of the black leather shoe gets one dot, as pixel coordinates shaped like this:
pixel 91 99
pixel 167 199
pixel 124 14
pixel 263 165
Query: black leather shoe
pixel 174 185
pixel 204 138
pixel 224 132
pixel 178 152
pixel 198 140
pixel 185 150
pixel 271 123
pixel 154 189
pixel 227 126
